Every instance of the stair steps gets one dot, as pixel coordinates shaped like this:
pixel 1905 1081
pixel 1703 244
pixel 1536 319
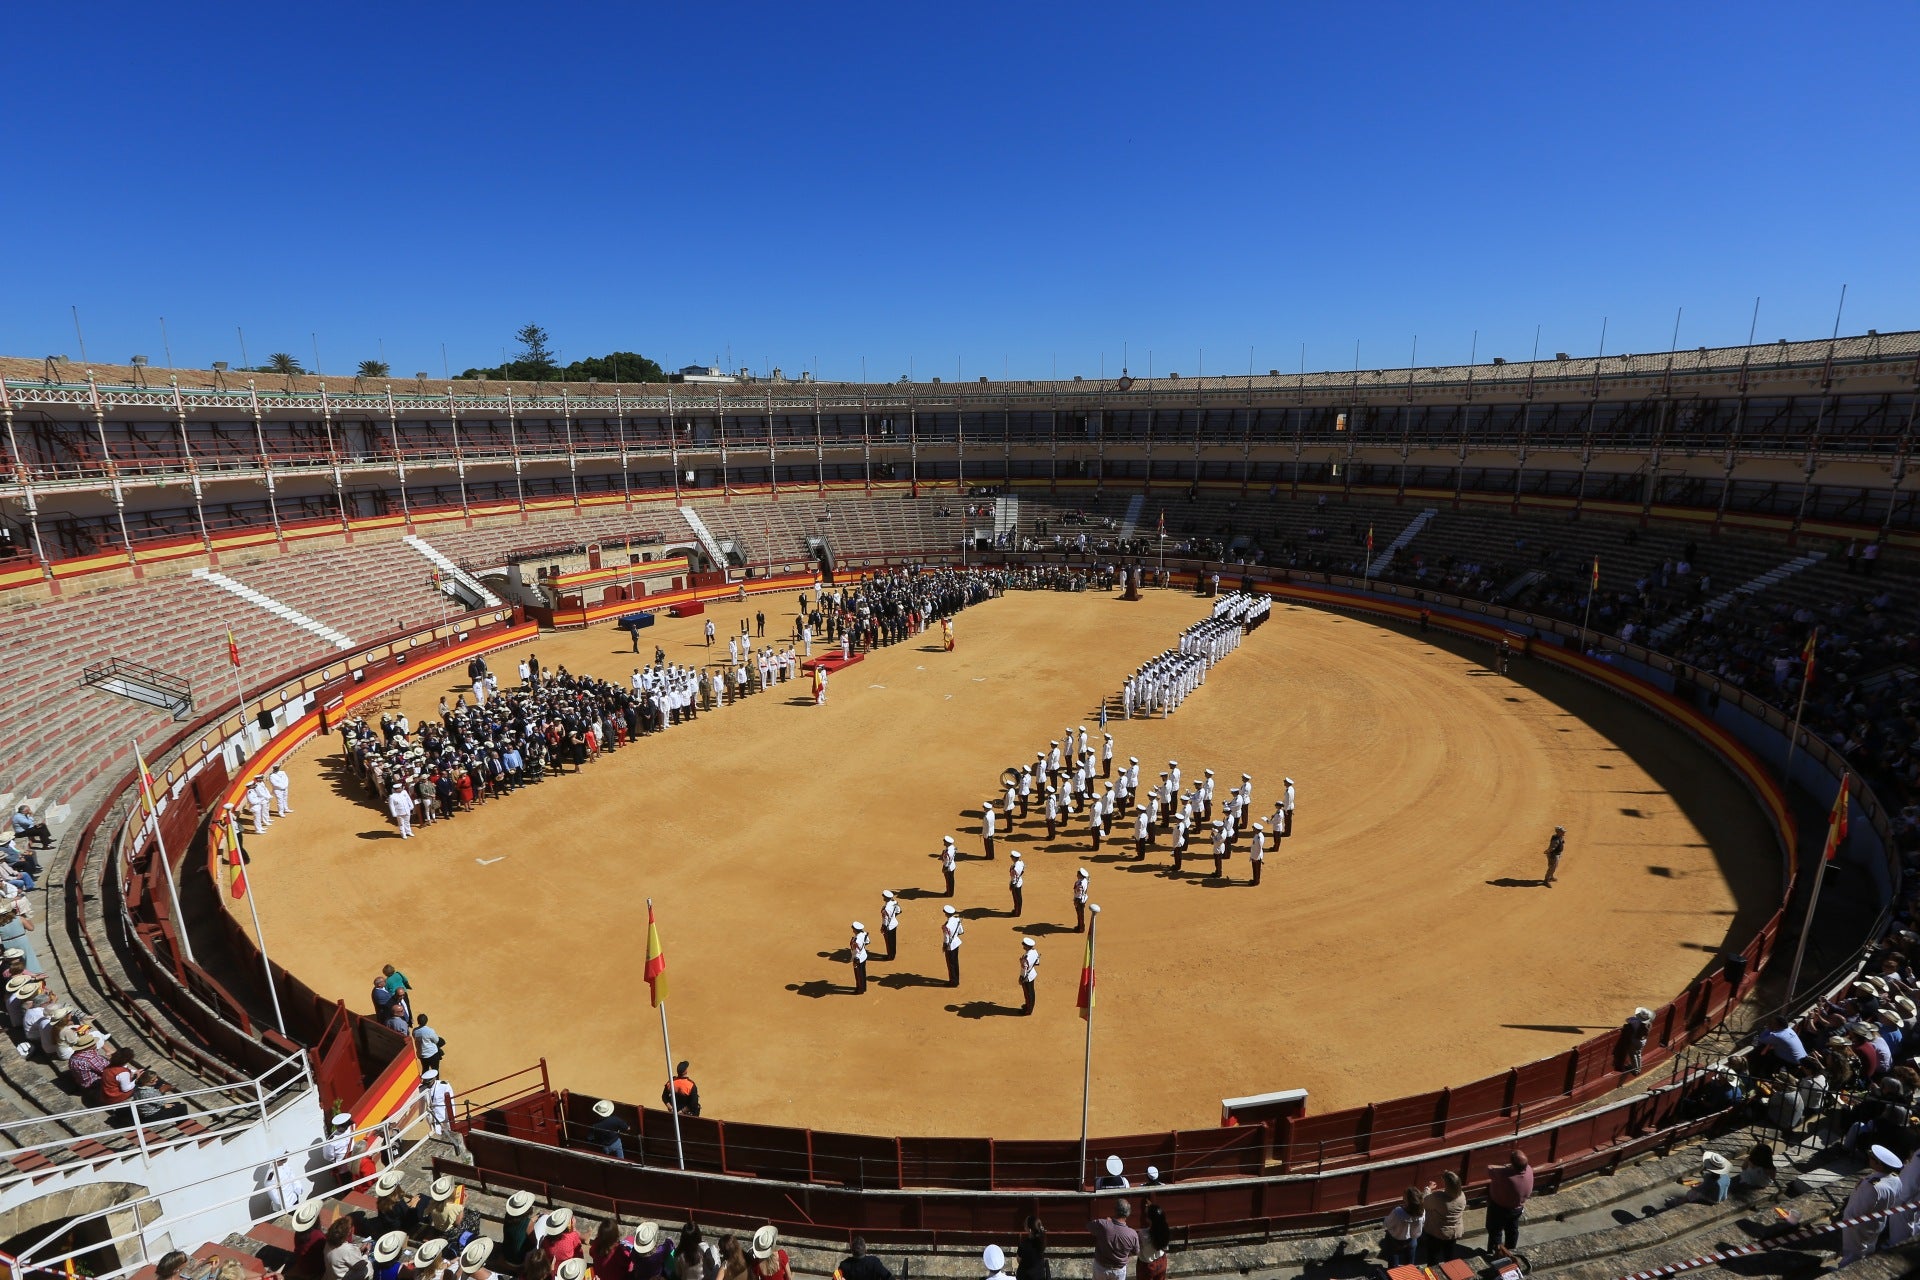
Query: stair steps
pixel 1131 520
pixel 1385 557
pixel 441 561
pixel 1753 587
pixel 261 600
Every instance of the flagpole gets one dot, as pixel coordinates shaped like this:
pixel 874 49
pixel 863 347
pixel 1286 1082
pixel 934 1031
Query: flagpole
pixel 666 1043
pixel 166 866
pixel 1793 739
pixel 1827 853
pixel 1593 585
pixel 239 693
pixel 266 965
pixel 1086 1070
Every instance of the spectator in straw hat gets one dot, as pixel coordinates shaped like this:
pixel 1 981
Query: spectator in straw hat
pixel 770 1261
pixel 559 1240
pixel 309 1242
pixel 516 1234
pixel 389 1253
pixel 430 1260
pixel 1633 1040
pixel 474 1258
pixel 608 1131
pixel 393 1209
pixel 445 1213
pixel 651 1253
pixel 14 933
pixel 571 1269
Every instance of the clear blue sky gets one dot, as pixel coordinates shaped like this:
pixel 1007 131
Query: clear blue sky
pixel 1009 185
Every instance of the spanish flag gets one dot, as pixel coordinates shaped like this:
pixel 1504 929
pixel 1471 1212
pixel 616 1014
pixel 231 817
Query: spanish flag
pixel 1837 820
pixel 226 830
pixel 656 970
pixel 148 788
pixel 1813 639
pixel 1595 583
pixel 1369 539
pixel 233 648
pixel 1084 1002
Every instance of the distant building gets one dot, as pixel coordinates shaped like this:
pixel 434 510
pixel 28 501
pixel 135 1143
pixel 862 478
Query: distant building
pixel 704 373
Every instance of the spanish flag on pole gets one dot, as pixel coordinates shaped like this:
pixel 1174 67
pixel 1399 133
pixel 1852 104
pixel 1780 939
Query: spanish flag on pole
pixel 1085 999
pixel 148 787
pixel 233 648
pixel 1813 640
pixel 1837 820
pixel 656 970
pixel 1595 582
pixel 226 830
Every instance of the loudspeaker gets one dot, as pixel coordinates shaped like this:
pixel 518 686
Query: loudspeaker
pixel 266 720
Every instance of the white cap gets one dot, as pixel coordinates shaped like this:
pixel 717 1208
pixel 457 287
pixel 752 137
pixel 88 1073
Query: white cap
pixel 993 1257
pixel 886 893
pixel 1288 781
pixel 342 1118
pixel 1114 1166
pixel 1885 1157
pixel 947 839
pixel 1028 943
pixel 858 927
pixel 1083 873
pixel 947 909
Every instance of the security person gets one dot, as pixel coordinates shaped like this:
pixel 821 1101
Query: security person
pixel 948 857
pixel 1180 826
pixel 1080 891
pixel 857 945
pixel 950 934
pixel 1029 973
pixel 890 921
pixel 681 1093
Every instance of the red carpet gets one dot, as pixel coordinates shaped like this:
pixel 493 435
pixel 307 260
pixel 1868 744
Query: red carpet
pixel 833 663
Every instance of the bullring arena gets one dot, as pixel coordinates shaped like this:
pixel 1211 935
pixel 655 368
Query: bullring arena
pixel 1401 998
pixel 761 830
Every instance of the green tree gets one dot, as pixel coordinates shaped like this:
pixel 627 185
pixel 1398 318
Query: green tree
pixel 372 369
pixel 536 357
pixel 615 366
pixel 281 362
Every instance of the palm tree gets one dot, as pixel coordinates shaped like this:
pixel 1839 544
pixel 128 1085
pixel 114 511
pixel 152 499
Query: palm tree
pixel 281 362
pixel 371 369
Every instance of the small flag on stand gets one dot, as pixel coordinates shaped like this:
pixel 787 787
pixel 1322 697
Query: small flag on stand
pixel 1837 820
pixel 656 970
pixel 1595 581
pixel 233 648
pixel 148 788
pixel 228 831
pixel 1813 638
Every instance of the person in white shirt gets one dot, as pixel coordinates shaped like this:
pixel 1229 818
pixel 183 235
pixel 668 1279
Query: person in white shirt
pixel 1080 892
pixel 258 799
pixel 949 858
pixel 890 921
pixel 339 1146
pixel 1287 803
pixel 1878 1189
pixel 400 805
pixel 1141 831
pixel 1029 974
pixel 950 934
pixel 526 672
pixel 1017 877
pixel 1106 755
pixel 857 954
pixel 987 828
pixel 281 784
pixel 439 1103
pixel 1258 854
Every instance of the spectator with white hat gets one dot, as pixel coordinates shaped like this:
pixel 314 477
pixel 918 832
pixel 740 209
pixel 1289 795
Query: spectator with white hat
pixel 559 1241
pixel 393 1209
pixel 651 1254
pixel 608 1131
pixel 309 1242
pixel 516 1234
pixel 770 1261
pixel 430 1260
pixel 387 1253
pixel 474 1258
pixel 994 1259
pixel 1115 1178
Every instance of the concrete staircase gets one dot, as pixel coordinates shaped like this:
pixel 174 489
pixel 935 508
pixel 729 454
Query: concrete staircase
pixel 1131 521
pixel 1384 557
pixel 285 612
pixel 451 570
pixel 1006 517
pixel 704 536
pixel 1779 573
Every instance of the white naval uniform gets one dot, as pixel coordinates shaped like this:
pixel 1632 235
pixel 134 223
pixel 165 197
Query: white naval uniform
pixel 280 783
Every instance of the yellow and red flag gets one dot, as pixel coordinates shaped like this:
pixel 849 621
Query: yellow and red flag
pixel 1837 820
pixel 1595 582
pixel 233 648
pixel 656 970
pixel 1369 539
pixel 227 831
pixel 148 788
pixel 1084 1001
pixel 1813 639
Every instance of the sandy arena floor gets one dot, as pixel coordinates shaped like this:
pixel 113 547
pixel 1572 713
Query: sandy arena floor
pixel 1401 940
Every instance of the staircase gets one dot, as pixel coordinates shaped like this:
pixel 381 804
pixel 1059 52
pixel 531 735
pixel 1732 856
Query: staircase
pixel 1006 517
pixel 1385 558
pixel 1521 583
pixel 267 602
pixel 704 535
pixel 1131 521
pixel 452 571
pixel 1754 587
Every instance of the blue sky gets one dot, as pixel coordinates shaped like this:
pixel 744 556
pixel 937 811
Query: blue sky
pixel 1015 188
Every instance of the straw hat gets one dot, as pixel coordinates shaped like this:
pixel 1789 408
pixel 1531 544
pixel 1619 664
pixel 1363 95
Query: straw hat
pixel 388 1246
pixel 387 1183
pixel 603 1108
pixel 474 1256
pixel 305 1214
pixel 442 1189
pixel 646 1235
pixel 519 1203
pixel 572 1269
pixel 429 1252
pixel 765 1241
pixel 1716 1164
pixel 558 1221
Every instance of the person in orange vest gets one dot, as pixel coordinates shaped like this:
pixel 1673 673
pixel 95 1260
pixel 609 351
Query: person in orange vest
pixel 681 1093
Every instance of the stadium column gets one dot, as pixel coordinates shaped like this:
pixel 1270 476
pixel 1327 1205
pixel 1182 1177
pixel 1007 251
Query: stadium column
pixel 399 460
pixel 1298 421
pixel 1146 486
pixel 720 430
pixel 333 465
pixel 186 460
pixel 960 444
pixel 626 471
pixel 266 464
pixel 513 443
pixel 29 499
pixel 866 445
pixel 113 473
pixel 1246 444
pixel 1900 461
pixel 1812 463
pixel 459 458
pixel 819 445
pixel 773 457
pixel 573 461
pixel 913 446
pixel 673 447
